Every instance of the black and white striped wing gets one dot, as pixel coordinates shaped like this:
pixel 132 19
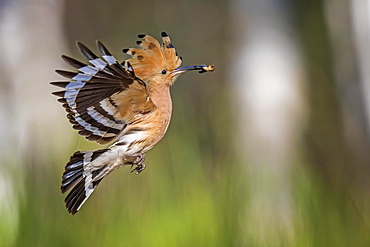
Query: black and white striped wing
pixel 87 96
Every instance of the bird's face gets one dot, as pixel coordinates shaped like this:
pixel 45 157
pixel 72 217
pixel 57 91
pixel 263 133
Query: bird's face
pixel 165 75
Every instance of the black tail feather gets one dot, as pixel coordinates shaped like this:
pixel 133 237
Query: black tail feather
pixel 76 197
pixel 80 178
pixel 73 172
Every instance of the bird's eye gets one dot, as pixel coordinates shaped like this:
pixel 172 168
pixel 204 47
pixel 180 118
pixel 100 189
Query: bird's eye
pixel 163 72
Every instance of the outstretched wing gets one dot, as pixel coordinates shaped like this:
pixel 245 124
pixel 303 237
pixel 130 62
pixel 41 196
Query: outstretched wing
pixel 101 98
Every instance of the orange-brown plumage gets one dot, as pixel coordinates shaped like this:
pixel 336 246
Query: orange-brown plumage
pixel 133 102
pixel 152 58
pixel 127 102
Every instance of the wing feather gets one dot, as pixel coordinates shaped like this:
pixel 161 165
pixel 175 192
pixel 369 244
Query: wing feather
pixel 95 95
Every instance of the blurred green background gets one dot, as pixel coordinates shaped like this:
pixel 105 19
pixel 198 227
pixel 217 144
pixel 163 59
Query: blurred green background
pixel 271 149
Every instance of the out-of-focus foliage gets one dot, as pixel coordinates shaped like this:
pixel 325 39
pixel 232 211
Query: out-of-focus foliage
pixel 195 190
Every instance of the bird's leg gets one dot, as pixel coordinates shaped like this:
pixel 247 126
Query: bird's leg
pixel 136 159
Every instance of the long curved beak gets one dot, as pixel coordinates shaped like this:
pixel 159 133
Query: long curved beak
pixel 201 68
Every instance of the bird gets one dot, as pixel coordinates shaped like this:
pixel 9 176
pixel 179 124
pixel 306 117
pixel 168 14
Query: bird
pixel 127 103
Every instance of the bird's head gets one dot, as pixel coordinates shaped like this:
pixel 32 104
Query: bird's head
pixel 158 64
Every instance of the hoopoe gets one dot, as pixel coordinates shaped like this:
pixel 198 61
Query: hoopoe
pixel 128 102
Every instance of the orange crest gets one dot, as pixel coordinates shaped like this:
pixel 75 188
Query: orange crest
pixel 152 58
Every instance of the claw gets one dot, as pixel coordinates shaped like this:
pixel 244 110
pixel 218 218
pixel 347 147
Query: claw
pixel 139 168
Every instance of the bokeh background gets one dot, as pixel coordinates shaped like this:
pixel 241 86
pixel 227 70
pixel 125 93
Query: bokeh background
pixel 271 149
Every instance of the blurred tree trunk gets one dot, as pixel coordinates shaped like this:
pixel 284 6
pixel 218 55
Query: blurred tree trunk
pixel 30 58
pixel 357 16
pixel 29 115
pixel 337 135
pixel 269 108
pixel 351 55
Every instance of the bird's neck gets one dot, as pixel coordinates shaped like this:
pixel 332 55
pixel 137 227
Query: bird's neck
pixel 160 95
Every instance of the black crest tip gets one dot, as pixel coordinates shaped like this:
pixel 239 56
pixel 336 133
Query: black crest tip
pixel 164 34
pixel 125 50
pixel 141 36
pixel 79 44
pixel 139 42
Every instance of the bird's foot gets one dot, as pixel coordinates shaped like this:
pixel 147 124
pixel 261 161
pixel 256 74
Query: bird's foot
pixel 134 159
pixel 139 168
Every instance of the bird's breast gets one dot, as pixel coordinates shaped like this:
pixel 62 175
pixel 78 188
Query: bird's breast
pixel 149 128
